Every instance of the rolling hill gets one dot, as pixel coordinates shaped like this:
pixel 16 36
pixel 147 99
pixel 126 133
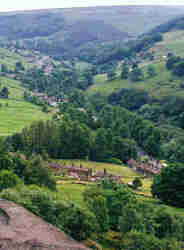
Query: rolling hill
pixel 163 84
pixel 59 31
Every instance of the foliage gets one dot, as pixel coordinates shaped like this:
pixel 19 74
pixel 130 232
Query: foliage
pixel 131 99
pixel 37 173
pixel 137 183
pixel 8 179
pixel 168 185
pixel 125 71
pixel 136 74
pixel 4 93
pixel 142 241
pixel 73 220
pixel 107 201
pixel 151 71
pixel 111 74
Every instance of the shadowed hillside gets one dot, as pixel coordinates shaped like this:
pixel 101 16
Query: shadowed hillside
pixel 59 31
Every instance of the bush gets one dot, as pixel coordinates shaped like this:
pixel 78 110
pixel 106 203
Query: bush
pixel 143 241
pixel 8 179
pixel 77 222
pixel 137 183
pixel 38 173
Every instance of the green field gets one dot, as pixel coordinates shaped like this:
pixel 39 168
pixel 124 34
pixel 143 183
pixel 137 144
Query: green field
pixel 10 58
pixel 172 42
pixel 81 66
pixel 15 88
pixel 15 113
pixel 163 84
pixel 72 192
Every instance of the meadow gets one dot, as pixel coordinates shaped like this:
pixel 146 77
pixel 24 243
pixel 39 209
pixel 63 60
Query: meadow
pixel 159 86
pixel 15 113
pixel 172 42
pixel 10 58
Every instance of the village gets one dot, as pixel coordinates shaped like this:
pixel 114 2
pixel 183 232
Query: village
pixel 148 167
pixel 82 173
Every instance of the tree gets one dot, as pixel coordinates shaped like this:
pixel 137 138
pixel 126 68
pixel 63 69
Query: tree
pixel 138 216
pixel 142 241
pixel 77 98
pixel 96 202
pixel 101 147
pixel 111 198
pixel 19 66
pixel 4 68
pixel 6 162
pixel 137 183
pixel 174 150
pixel 111 74
pixel 169 184
pixel 124 148
pixel 4 93
pixel 77 222
pixel 75 139
pixel 172 60
pixel 8 179
pixel 151 71
pixel 19 165
pixel 37 173
pixel 45 108
pixel 125 71
pixel 136 74
pixel 88 77
pixel 179 69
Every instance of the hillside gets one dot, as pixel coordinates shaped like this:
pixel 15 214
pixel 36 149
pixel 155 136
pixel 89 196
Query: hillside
pixel 172 43
pixel 161 85
pixel 15 112
pixel 58 31
pixel 173 37
pixel 92 128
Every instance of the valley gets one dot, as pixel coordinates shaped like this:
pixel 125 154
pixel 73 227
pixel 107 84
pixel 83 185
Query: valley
pixel 91 124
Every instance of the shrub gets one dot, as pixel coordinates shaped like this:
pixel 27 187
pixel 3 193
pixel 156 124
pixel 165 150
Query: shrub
pixel 8 179
pixel 137 183
pixel 37 173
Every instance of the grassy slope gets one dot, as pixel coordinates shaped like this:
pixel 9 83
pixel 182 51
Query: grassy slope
pixel 163 84
pixel 173 42
pixel 15 113
pixel 10 58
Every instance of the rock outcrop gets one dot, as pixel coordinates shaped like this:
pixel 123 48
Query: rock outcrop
pixel 22 230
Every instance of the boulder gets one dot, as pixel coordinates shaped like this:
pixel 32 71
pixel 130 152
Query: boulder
pixel 22 230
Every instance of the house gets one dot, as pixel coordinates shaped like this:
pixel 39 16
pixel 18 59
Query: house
pixel 149 167
pixel 84 174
